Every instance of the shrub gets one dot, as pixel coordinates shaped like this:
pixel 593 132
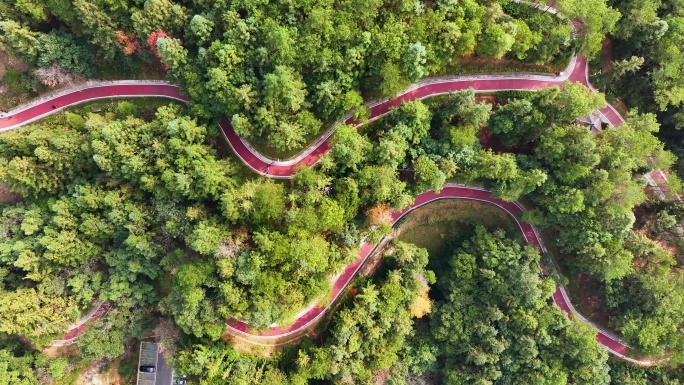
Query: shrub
pixel 65 50
pixel 20 83
pixel 125 109
pixel 126 369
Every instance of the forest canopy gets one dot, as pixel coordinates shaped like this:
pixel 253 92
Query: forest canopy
pixel 146 210
pixel 281 71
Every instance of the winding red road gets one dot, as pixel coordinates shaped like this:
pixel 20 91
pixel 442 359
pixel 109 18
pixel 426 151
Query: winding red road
pixel 286 169
pixel 448 192
pixel 264 166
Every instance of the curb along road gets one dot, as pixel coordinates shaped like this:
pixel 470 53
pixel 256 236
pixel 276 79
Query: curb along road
pixel 450 191
pixel 577 71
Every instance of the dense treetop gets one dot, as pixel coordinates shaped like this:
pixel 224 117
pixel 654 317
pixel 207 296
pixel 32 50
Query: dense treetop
pixel 282 70
pixel 142 209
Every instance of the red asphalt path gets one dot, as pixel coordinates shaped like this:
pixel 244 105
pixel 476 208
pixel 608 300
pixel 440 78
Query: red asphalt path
pixel 273 169
pixel 578 74
pixel 448 192
pixel 114 90
pixel 118 90
pixel 102 310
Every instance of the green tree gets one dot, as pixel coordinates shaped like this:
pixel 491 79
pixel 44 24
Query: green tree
pixel 38 159
pixel 34 314
pixel 190 302
pixel 496 166
pixel 569 151
pixel 105 337
pixel 349 147
pixel 516 120
pixel 173 54
pixel 495 41
pixel 66 51
pixel 392 80
pixel 415 59
pixel 598 19
pixel 572 101
pixel 201 28
pixel 97 25
pixel 391 149
pixel 16 370
pixel 428 175
pixel 159 15
pixel 19 38
pixel 486 334
pixel 379 184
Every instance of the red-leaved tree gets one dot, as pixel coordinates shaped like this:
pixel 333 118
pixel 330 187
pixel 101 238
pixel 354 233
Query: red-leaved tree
pixel 129 43
pixel 152 42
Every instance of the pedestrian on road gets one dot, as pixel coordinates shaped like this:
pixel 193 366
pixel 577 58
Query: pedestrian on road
pixel 53 107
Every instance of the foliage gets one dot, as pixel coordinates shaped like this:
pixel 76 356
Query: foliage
pixel 34 313
pixel 623 373
pixel 16 370
pixel 159 15
pixel 584 185
pixel 426 147
pixel 598 19
pixel 103 338
pixel 19 38
pixel 19 83
pixel 648 57
pixel 116 205
pixel 364 338
pixel 78 237
pixel 494 323
pixel 279 73
pixel 542 38
pixel 591 187
pixel 66 51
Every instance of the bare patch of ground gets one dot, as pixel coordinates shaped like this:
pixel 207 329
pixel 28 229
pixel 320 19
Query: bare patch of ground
pixel 9 100
pixel 252 346
pixel 110 374
pixel 7 195
pixel 63 351
pixel 607 66
pixel 620 106
pixel 607 54
pixel 431 225
pixel 584 287
pixel 668 240
pixel 380 377
pixel 266 347
pixel 8 63
pixel 374 261
pixel 93 374
pixel 428 226
pixel 489 99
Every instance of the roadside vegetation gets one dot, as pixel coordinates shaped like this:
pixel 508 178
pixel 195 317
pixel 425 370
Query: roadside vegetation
pixel 280 71
pixel 131 202
pixel 235 245
pixel 642 65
